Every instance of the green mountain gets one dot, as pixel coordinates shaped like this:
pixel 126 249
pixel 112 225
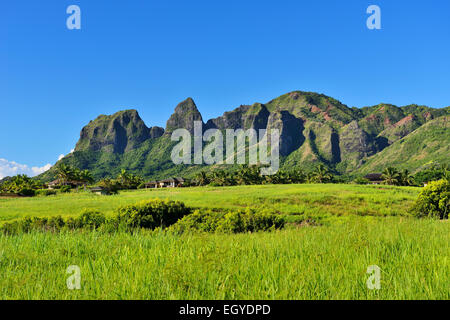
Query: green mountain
pixel 430 142
pixel 314 128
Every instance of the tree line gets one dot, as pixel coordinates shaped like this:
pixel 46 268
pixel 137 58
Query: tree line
pixel 250 175
pixel 245 175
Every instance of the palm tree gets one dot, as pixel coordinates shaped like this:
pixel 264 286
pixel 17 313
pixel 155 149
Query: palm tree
pixel 123 177
pixel 86 177
pixel 390 176
pixel 322 174
pixel 298 176
pixel 248 175
pixel 405 179
pixel 64 173
pixel 201 179
pixel 221 178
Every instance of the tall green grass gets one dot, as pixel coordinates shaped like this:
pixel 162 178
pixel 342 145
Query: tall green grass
pixel 302 201
pixel 327 262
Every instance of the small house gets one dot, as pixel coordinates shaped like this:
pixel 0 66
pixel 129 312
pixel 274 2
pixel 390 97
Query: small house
pixel 151 185
pixel 100 191
pixel 167 183
pixel 179 182
pixel 70 183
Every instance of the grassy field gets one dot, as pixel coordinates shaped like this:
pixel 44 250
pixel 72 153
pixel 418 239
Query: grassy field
pixel 362 226
pixel 298 201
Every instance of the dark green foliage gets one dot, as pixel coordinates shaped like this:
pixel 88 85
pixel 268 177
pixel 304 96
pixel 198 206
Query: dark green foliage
pixel 361 180
pixel 397 178
pixel 128 180
pixel 248 220
pixel 90 219
pixel 321 175
pixel 432 173
pixel 27 192
pixel 45 192
pixel 64 189
pixel 20 184
pixel 391 176
pixel 434 200
pixel 154 214
pixel 151 214
pixel 250 175
pixel 111 186
pixel 27 224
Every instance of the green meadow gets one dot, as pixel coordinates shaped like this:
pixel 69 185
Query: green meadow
pixel 335 232
pixel 302 201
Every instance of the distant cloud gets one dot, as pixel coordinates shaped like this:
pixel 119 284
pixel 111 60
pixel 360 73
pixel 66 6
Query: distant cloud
pixel 12 168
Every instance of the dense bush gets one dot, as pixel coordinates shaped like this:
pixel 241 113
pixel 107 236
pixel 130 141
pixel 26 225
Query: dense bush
pixel 434 200
pixel 28 224
pixel 229 222
pixel 432 173
pixel 152 214
pixel 27 192
pixel 361 180
pixel 45 192
pixel 89 219
pixel 64 189
pixel 20 184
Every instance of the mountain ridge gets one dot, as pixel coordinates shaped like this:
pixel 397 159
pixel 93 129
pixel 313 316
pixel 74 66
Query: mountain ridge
pixel 314 128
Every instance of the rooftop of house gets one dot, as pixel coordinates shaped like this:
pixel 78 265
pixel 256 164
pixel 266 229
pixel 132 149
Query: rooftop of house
pixel 374 176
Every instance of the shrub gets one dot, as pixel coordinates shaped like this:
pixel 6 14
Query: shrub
pixel 26 192
pixel 361 180
pixel 28 224
pixel 64 189
pixel 203 221
pixel 229 222
pixel 90 219
pixel 250 221
pixel 152 214
pixel 45 192
pixel 434 200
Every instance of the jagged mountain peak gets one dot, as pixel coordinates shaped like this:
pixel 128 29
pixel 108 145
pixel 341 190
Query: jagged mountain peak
pixel 185 114
pixel 117 133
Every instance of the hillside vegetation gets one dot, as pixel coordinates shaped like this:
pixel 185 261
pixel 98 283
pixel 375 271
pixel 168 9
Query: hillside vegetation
pixel 314 128
pixel 318 202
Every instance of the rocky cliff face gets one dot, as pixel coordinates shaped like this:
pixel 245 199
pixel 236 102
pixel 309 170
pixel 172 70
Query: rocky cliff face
pixel 244 117
pixel 118 133
pixel 290 128
pixel 184 116
pixel 156 132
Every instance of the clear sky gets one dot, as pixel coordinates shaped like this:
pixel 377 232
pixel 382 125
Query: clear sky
pixel 150 55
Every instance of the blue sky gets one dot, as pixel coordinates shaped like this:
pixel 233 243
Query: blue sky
pixel 150 55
